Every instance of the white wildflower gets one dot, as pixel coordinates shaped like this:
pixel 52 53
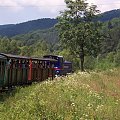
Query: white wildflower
pixel 99 108
pixel 73 104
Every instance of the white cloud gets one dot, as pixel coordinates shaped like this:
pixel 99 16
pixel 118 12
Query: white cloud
pixel 23 10
pixel 31 2
pixel 10 4
pixel 53 5
pixel 106 5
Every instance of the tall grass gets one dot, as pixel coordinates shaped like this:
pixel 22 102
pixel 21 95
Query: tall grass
pixel 81 96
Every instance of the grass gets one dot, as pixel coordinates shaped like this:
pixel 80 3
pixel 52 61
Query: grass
pixel 81 96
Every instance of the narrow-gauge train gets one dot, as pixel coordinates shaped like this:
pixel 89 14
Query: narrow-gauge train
pixel 20 70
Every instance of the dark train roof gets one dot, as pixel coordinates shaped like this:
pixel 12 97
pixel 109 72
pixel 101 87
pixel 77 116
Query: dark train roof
pixel 5 56
pixel 49 59
pixel 13 56
pixel 52 56
pixel 44 59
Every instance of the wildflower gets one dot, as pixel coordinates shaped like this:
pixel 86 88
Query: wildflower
pixel 99 107
pixel 90 105
pixel 73 104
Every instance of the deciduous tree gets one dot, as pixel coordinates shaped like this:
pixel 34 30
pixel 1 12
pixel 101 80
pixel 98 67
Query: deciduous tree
pixel 77 31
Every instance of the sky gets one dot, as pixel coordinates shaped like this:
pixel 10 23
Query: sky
pixel 17 11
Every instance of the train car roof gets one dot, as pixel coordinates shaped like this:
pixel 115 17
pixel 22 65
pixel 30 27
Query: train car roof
pixel 52 55
pixel 2 57
pixel 44 59
pixel 13 56
pixel 49 59
pixel 5 56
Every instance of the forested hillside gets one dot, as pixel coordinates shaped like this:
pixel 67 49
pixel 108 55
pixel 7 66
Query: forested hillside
pixel 22 28
pixel 46 23
pixel 6 26
pixel 49 35
pixel 111 30
pixel 109 15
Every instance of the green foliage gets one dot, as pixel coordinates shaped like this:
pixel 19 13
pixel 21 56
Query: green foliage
pixel 77 31
pixel 90 62
pixel 49 35
pixel 117 59
pixel 111 60
pixel 104 65
pixel 112 41
pixel 40 49
pixel 107 62
pixel 12 46
pixel 26 50
pixel 9 46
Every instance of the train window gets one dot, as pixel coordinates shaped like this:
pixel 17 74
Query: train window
pixel 2 63
pixel 61 59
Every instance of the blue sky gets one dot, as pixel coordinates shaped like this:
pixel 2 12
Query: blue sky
pixel 17 11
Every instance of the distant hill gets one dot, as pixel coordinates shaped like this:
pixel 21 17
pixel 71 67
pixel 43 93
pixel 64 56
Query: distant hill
pixel 22 28
pixel 46 23
pixel 49 35
pixel 5 26
pixel 109 15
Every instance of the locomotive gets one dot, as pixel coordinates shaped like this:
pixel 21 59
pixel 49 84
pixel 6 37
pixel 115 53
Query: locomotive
pixel 61 67
pixel 20 70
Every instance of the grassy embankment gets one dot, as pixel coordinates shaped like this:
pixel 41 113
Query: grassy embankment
pixel 81 96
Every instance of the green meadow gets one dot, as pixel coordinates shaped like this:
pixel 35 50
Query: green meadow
pixel 80 96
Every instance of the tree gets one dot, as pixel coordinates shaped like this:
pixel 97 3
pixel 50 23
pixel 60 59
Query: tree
pixel 5 45
pixel 40 48
pixel 77 31
pixel 14 48
pixel 26 51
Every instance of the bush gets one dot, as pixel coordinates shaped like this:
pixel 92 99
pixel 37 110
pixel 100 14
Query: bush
pixel 117 59
pixel 89 62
